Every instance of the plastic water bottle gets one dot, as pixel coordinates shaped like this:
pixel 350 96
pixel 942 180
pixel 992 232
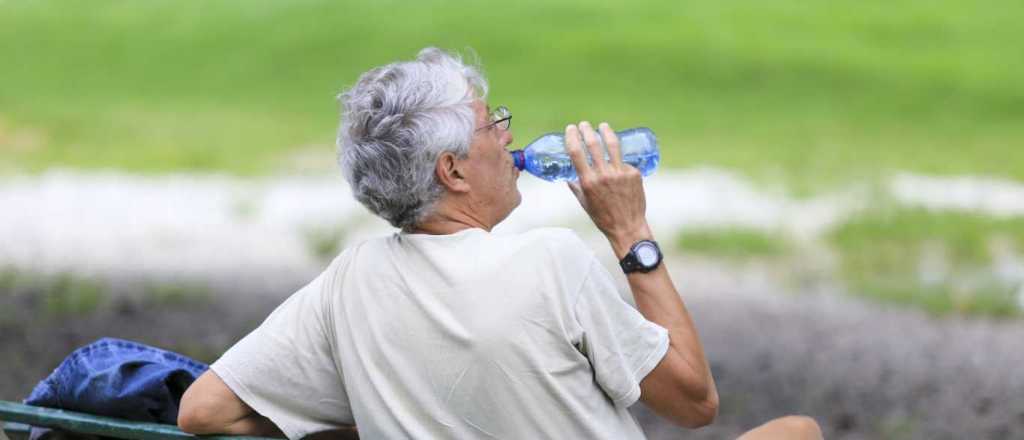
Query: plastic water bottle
pixel 546 157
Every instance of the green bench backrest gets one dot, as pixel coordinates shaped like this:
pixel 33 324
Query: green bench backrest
pixel 18 416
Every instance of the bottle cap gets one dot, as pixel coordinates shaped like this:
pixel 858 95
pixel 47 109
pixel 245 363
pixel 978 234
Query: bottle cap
pixel 519 159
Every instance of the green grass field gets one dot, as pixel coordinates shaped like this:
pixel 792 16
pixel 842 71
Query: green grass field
pixel 944 262
pixel 735 243
pixel 809 94
pixel 940 260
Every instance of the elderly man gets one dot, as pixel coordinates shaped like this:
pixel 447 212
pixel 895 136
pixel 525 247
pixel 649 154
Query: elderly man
pixel 447 330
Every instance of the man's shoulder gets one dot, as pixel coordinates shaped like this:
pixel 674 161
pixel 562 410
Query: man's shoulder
pixel 562 243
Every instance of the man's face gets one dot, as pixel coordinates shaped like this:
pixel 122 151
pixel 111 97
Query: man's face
pixel 490 170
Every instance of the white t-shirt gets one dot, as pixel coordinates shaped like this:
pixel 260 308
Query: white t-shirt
pixel 468 335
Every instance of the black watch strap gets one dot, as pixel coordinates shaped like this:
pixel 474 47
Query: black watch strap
pixel 631 262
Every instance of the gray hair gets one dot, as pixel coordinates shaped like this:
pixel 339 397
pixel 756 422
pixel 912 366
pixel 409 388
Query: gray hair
pixel 396 121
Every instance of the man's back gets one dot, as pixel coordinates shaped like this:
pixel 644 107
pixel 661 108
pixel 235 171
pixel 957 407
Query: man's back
pixel 457 332
pixel 473 335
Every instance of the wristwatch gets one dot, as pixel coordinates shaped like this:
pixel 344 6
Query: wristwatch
pixel 644 256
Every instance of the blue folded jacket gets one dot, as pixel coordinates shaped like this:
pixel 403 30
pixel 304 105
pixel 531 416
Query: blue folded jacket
pixel 118 378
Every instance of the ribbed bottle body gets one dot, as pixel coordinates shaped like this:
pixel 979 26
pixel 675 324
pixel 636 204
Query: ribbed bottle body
pixel 546 157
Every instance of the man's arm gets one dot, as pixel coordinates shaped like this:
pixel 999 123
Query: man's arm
pixel 210 407
pixel 680 387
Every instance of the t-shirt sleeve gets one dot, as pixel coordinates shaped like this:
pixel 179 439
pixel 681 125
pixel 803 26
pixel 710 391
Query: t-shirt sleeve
pixel 622 345
pixel 285 370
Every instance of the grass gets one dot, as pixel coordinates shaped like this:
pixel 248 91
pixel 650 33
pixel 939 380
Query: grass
pixel 55 295
pixel 67 294
pixel 197 351
pixel 941 299
pixel 731 243
pixel 8 279
pixel 176 294
pixel 886 236
pixel 810 94
pixel 897 428
pixel 941 261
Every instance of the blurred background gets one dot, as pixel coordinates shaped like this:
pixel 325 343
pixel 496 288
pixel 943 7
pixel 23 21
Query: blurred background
pixel 841 192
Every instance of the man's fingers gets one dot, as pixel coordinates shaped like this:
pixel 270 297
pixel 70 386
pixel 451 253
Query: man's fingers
pixel 593 145
pixel 611 140
pixel 575 150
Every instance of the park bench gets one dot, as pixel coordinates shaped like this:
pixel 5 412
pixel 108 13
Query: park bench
pixel 17 419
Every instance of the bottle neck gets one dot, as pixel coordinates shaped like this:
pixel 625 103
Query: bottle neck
pixel 519 158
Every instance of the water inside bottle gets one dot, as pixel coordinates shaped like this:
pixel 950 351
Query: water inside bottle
pixel 558 167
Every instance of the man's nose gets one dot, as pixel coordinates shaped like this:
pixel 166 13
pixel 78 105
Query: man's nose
pixel 508 137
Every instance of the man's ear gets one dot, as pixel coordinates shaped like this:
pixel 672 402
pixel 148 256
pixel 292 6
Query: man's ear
pixel 448 170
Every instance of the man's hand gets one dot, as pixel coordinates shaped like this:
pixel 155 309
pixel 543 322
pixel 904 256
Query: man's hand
pixel 611 192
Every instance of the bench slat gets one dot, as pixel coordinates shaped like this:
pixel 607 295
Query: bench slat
pixel 16 431
pixel 98 425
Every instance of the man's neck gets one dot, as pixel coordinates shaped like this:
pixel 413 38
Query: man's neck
pixel 447 219
pixel 443 227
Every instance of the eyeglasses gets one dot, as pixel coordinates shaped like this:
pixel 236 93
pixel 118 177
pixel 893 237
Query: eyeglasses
pixel 500 117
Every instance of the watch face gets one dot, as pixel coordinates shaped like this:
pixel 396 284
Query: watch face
pixel 647 254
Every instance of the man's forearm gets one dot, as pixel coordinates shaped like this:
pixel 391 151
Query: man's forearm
pixel 659 301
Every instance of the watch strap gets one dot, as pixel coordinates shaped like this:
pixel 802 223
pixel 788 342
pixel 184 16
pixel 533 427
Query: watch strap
pixel 631 263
